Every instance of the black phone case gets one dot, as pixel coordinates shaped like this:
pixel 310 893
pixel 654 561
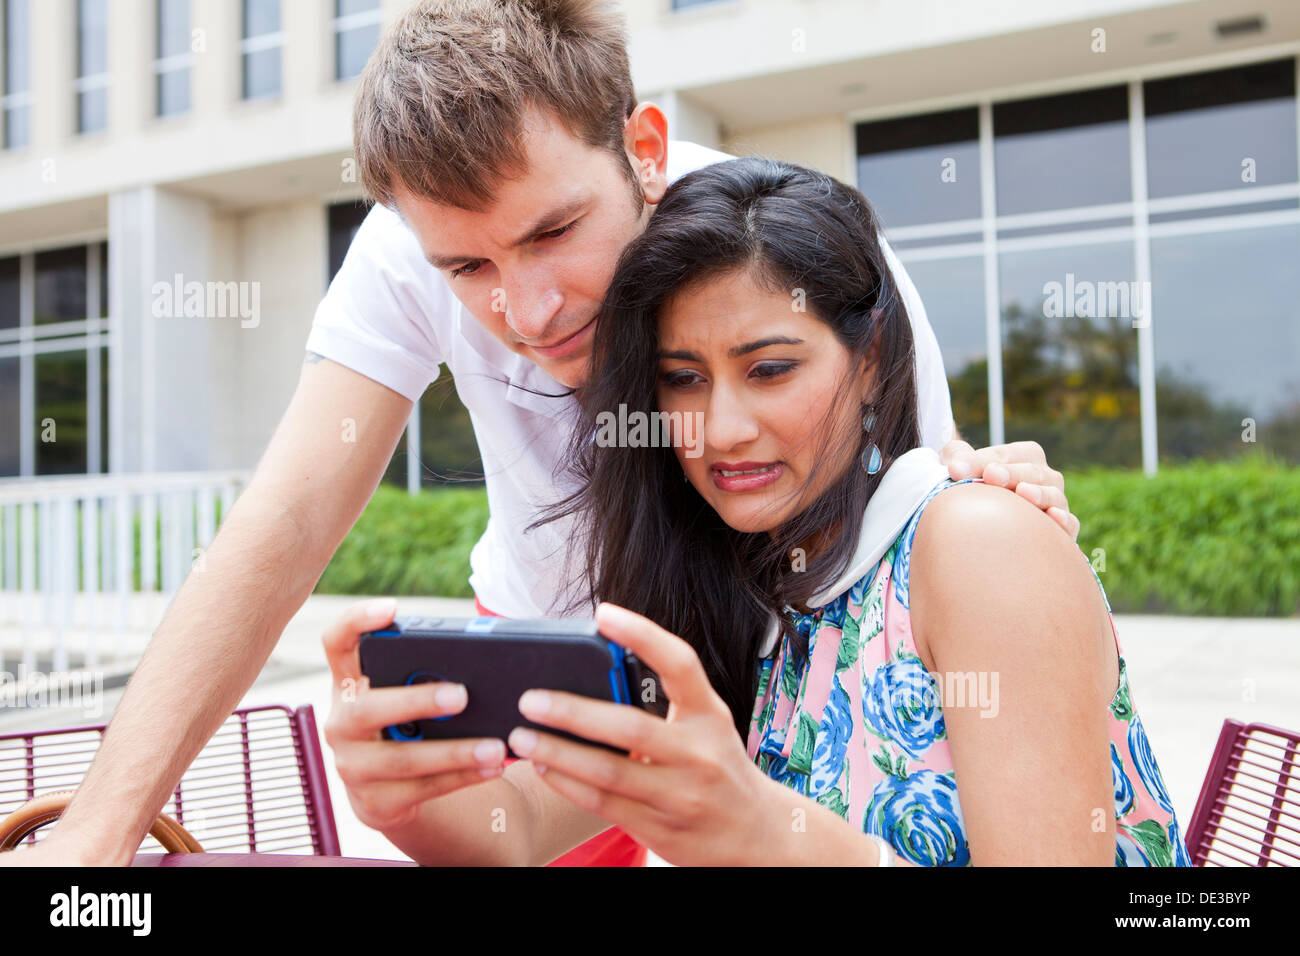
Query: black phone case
pixel 497 659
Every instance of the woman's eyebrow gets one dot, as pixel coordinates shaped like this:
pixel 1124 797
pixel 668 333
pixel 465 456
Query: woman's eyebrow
pixel 736 351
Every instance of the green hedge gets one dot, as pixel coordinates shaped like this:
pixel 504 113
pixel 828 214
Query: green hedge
pixel 1204 538
pixel 1200 538
pixel 406 544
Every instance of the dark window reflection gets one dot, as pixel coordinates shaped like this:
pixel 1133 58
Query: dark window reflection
pixel 1229 129
pixel 1058 152
pixel 952 291
pixel 921 169
pixel 1070 381
pixel 61 413
pixel 60 285
pixel 1227 342
pixel 9 316
pixel 10 427
pixel 344 220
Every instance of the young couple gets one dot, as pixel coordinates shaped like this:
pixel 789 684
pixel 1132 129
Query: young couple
pixel 861 669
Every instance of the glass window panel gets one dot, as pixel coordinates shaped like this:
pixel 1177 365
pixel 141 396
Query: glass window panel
pixel 1201 129
pixel 173 92
pixel 448 449
pixel 262 73
pixel 92 37
pixel 173 27
pixel 1059 152
pixel 353 48
pixel 1230 351
pixel 261 16
pixel 344 221
pixel 17 131
pixel 953 293
pixel 103 280
pixel 17 47
pixel 1070 381
pixel 103 407
pixel 60 285
pixel 10 429
pixel 921 169
pixel 343 8
pixel 9 315
pixel 61 413
pixel 92 110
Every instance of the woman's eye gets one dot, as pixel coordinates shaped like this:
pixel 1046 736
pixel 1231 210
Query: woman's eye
pixel 772 369
pixel 681 378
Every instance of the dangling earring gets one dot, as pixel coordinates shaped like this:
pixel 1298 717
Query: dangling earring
pixel 870 457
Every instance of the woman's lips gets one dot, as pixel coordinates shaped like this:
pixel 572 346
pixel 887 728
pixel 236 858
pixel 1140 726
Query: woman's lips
pixel 566 346
pixel 746 475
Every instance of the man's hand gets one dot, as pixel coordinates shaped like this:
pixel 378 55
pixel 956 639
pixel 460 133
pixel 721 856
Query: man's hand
pixel 387 781
pixel 1019 466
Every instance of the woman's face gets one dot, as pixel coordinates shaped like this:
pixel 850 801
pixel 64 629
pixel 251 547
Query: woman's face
pixel 765 376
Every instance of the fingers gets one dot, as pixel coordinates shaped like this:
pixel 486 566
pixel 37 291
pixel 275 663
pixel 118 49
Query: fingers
pixel 383 806
pixel 1068 522
pixel 956 450
pixel 374 708
pixel 391 761
pixel 971 464
pixel 631 815
pixel 678 666
pixel 342 637
pixel 609 772
pixel 629 728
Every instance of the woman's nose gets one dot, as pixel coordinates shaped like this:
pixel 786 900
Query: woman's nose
pixel 728 423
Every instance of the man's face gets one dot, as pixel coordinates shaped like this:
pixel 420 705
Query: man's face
pixel 533 268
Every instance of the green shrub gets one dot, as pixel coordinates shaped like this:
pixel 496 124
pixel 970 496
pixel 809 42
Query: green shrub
pixel 1206 538
pixel 406 544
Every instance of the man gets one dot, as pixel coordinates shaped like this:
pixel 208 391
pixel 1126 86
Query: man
pixel 506 138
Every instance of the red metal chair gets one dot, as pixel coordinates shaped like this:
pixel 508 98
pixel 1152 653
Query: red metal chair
pixel 1248 812
pixel 258 786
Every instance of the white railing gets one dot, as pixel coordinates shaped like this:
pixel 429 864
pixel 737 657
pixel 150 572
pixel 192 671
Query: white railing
pixel 88 563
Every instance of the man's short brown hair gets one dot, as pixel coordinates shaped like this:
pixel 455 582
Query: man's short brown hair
pixel 441 104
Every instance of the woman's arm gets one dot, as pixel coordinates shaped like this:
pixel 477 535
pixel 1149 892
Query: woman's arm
pixel 1001 601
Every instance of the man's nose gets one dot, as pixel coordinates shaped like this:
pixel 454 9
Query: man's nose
pixel 530 313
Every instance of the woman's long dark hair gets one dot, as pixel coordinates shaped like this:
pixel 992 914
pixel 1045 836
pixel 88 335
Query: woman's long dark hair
pixel 649 541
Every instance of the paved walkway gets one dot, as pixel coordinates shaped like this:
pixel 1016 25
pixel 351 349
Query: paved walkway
pixel 1187 675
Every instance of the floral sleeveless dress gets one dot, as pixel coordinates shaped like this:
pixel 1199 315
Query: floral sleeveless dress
pixel 857 725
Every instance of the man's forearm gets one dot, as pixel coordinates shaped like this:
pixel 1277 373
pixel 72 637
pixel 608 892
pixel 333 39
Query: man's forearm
pixel 213 641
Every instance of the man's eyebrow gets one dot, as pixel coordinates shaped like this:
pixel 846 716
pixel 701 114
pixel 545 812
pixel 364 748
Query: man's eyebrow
pixel 688 356
pixel 552 219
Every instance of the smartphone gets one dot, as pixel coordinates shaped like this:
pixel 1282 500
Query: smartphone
pixel 497 659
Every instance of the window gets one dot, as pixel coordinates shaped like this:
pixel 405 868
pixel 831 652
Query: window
pixel 260 48
pixel 15 94
pixel 1030 270
pixel 92 65
pixel 174 58
pixel 356 32
pixel 54 361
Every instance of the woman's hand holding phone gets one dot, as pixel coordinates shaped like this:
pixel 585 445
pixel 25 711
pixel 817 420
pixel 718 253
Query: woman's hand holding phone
pixel 689 791
pixel 387 781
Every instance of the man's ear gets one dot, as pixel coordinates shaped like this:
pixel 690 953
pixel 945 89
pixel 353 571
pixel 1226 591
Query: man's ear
pixel 645 138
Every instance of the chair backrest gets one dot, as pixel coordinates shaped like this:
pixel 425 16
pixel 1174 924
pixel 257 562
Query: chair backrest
pixel 258 786
pixel 1248 813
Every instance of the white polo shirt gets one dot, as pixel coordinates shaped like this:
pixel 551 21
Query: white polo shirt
pixel 391 316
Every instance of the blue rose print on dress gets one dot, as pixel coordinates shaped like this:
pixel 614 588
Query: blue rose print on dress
pixel 920 816
pixel 900 703
pixel 832 741
pixel 1140 747
pixel 1123 788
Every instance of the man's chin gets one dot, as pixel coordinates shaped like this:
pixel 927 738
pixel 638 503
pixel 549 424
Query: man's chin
pixel 569 372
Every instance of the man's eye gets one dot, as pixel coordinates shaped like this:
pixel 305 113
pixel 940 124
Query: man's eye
pixel 466 270
pixel 556 233
pixel 773 369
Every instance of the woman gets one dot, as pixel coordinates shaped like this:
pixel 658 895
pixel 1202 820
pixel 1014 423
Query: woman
pixel 938 671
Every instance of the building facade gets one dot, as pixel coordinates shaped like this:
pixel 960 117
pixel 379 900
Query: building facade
pixel 1099 201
